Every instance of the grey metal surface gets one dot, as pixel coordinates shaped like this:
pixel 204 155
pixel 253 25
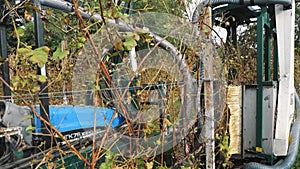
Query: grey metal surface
pixel 270 97
pixel 16 116
pixel 249 119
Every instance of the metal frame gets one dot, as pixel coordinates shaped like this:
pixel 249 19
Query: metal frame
pixel 266 61
pixel 39 40
pixel 265 30
pixel 4 55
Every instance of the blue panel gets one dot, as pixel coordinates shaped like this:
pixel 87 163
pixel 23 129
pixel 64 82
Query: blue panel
pixel 68 118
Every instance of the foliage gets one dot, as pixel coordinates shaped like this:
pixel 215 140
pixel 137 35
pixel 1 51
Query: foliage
pixel 297 87
pixel 297 68
pixel 297 56
pixel 65 37
pixel 297 65
pixel 297 28
pixel 23 62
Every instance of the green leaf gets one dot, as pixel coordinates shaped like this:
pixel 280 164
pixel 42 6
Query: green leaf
pixel 140 164
pixel 40 56
pixel 59 54
pixel 115 13
pixel 27 118
pixel 149 164
pixel 97 88
pixel 205 30
pixel 81 39
pixel 15 81
pixel 32 75
pixel 129 43
pixel 129 34
pixel 25 52
pixel 118 45
pixel 34 89
pixel 136 37
pixel 30 128
pixel 20 31
pixel 109 161
pixel 24 83
pixel 42 78
pixel 79 45
pixel 146 38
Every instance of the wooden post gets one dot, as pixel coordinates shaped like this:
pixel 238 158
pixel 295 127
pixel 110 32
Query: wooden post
pixel 209 126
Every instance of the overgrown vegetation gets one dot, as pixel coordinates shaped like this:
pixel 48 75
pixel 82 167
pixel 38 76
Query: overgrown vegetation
pixel 69 43
pixel 67 40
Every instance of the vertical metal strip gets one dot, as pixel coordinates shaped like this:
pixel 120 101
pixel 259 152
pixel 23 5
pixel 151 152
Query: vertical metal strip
pixel 260 78
pixel 4 54
pixel 39 40
pixel 275 64
pixel 234 34
pixel 268 53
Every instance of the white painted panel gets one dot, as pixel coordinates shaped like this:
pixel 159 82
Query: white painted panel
pixel 133 61
pixel 285 21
